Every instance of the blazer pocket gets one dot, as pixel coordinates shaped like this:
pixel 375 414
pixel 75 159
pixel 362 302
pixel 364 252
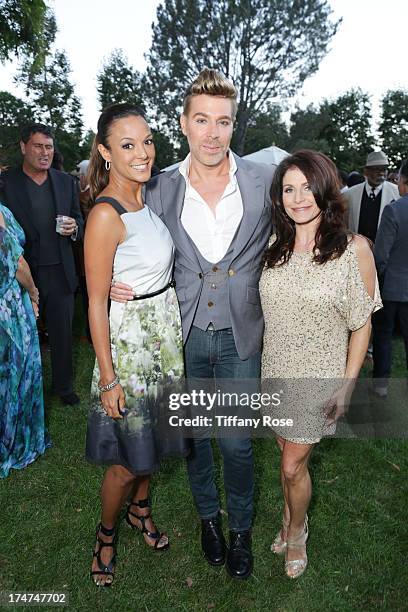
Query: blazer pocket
pixel 253 295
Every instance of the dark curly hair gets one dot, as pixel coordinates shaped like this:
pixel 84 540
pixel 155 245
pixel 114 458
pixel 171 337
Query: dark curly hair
pixel 332 235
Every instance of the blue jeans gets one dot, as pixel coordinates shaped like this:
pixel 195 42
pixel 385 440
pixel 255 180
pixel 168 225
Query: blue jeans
pixel 213 354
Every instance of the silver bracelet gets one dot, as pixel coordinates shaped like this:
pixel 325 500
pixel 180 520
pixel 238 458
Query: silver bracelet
pixel 109 386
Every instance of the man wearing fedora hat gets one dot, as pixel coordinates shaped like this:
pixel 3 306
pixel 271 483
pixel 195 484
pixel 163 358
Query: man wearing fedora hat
pixel 367 200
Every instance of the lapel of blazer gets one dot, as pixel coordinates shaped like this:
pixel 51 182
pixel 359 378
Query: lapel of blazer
pixel 172 193
pixel 22 203
pixel 58 194
pixel 387 196
pixel 252 188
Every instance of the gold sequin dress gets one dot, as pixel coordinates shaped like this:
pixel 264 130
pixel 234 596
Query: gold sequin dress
pixel 310 310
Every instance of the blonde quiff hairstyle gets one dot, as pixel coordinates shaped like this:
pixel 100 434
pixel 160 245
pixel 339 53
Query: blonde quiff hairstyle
pixel 211 83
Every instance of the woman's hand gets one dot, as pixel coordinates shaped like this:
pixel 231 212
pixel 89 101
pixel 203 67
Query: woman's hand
pixel 113 402
pixel 338 404
pixel 35 300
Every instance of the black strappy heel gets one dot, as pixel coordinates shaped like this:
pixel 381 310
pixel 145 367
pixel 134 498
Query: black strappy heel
pixel 104 570
pixel 155 535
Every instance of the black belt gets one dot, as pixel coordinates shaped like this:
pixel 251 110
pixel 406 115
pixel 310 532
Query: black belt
pixel 172 283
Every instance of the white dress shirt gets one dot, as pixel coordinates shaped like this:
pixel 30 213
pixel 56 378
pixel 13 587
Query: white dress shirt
pixel 212 232
pixel 369 189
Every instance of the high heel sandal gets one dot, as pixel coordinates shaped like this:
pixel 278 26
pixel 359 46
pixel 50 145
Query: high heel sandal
pixel 297 566
pixel 278 546
pixel 104 570
pixel 154 535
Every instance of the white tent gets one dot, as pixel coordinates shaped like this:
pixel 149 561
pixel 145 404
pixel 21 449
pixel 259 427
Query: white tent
pixel 270 155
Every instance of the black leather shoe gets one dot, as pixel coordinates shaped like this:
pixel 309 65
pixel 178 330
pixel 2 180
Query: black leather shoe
pixel 239 556
pixel 212 540
pixel 70 399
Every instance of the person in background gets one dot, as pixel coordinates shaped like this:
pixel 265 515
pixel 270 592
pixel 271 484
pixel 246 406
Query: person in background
pixel 366 201
pixel 354 178
pixel 45 203
pixel 57 160
pixel 391 258
pixel 393 177
pixel 318 291
pixel 23 436
pixel 78 246
pixel 343 176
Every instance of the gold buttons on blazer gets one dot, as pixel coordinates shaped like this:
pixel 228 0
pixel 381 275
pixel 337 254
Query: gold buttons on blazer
pixel 231 272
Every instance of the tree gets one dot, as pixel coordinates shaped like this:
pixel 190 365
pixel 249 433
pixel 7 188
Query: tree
pixel 348 130
pixel 339 128
pixel 22 27
pixel 119 82
pixel 265 129
pixel 14 113
pixel 54 102
pixel 307 128
pixel 268 48
pixel 393 128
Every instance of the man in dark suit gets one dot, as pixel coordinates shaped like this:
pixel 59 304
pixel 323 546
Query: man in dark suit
pixel 45 203
pixel 391 258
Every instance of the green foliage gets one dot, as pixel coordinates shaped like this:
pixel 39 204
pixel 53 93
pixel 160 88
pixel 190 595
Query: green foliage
pixel 306 130
pixel 119 82
pixel 393 126
pixel 339 128
pixel 348 132
pixel 265 129
pixel 165 152
pixel 54 102
pixel 14 113
pixel 22 27
pixel 268 51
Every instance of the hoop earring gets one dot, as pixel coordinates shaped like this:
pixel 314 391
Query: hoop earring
pixel 107 165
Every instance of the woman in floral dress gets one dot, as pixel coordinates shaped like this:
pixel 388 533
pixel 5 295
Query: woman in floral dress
pixel 23 437
pixel 139 346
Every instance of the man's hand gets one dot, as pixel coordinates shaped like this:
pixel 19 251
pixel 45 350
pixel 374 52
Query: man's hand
pixel 68 226
pixel 120 292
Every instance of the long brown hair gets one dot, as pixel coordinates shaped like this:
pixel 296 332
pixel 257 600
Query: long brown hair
pixel 331 236
pixel 98 175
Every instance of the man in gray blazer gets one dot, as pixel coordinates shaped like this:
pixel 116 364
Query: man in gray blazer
pixel 391 258
pixel 218 210
pixel 366 201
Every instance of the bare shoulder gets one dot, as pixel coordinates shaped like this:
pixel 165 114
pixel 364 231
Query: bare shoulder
pixel 2 222
pixel 362 246
pixel 103 213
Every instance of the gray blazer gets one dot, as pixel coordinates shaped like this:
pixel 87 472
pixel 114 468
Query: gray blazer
pixel 391 252
pixel 165 195
pixel 353 196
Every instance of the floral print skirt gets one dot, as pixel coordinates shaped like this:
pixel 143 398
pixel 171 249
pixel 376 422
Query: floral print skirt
pixel 147 354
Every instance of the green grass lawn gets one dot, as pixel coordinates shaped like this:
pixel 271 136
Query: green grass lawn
pixel 358 521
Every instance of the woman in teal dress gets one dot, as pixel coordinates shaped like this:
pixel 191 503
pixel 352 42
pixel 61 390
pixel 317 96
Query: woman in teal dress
pixel 22 431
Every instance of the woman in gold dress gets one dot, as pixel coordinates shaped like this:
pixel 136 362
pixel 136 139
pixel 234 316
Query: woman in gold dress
pixel 318 291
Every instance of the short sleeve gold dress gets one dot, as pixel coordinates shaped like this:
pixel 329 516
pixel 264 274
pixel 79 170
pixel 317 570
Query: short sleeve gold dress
pixel 310 310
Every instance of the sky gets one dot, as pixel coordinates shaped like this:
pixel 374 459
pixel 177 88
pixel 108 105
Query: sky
pixel 368 51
